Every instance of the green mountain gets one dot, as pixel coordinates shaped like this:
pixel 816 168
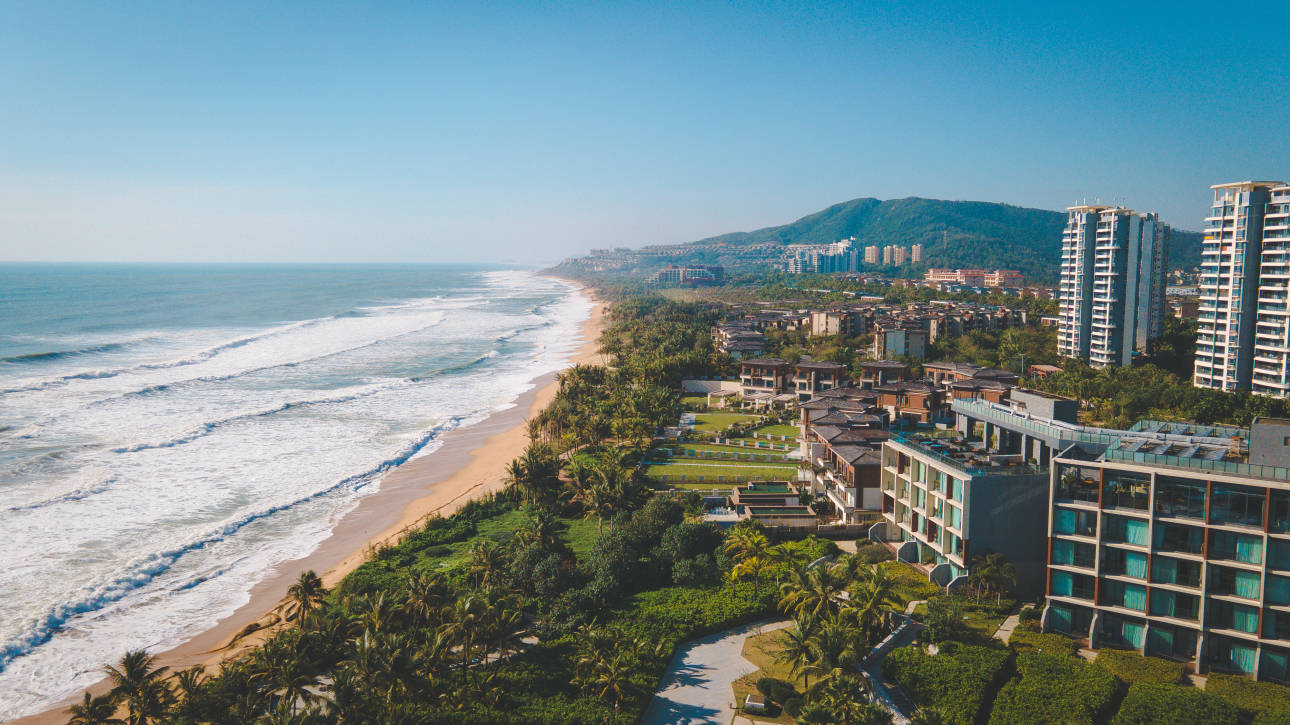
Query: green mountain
pixel 953 233
pixel 961 234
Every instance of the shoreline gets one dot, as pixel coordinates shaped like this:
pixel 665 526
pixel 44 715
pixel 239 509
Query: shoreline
pixel 471 462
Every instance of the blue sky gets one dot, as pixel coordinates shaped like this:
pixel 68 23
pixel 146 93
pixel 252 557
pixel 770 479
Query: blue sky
pixel 529 131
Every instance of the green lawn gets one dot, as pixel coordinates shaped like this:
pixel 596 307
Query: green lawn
pixel 579 535
pixel 714 422
pixel 779 430
pixel 717 448
pixel 694 401
pixel 670 473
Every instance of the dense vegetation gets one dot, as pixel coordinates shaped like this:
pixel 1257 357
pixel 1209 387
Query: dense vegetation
pixel 1054 688
pixel 1151 703
pixel 956 681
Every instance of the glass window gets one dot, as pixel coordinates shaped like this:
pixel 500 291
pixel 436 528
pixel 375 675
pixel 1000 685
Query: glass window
pixel 1069 620
pixel 955 516
pixel 1240 547
pixel 1120 594
pixel 1165 570
pixel 1172 642
pixel 1080 523
pixel 956 489
pixel 1274 664
pixel 1279 554
pixel 1276 625
pixel 1076 483
pixel 1279 513
pixel 1126 489
pixel 1226 615
pixel 1121 530
pixel 1237 505
pixel 1166 603
pixel 1120 631
pixel 1177 537
pixel 1073 553
pixel 1277 590
pixel 1234 582
pixel 1180 497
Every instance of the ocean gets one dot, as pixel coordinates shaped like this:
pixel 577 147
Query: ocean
pixel 170 433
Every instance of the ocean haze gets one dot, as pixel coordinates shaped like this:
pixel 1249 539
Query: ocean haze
pixel 169 434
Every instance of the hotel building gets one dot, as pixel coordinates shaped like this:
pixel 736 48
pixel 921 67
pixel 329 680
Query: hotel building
pixel 1112 289
pixel 1243 337
pixel 1174 540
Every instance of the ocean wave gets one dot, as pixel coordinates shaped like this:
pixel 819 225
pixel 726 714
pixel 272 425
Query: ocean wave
pixel 75 495
pixel 212 352
pixel 205 429
pixel 39 357
pixel 145 570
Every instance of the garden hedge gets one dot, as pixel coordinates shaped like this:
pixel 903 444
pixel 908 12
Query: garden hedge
pixel 1054 688
pixel 1132 667
pixel 1153 703
pixel 1251 696
pixel 1025 640
pixel 1273 717
pixel 957 681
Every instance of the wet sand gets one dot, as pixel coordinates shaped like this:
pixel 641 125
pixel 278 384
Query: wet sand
pixel 471 462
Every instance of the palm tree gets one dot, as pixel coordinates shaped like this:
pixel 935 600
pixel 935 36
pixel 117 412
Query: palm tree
pixel 750 566
pixel 873 599
pixel 612 680
pixel 136 682
pixel 992 573
pixel 796 651
pixel 425 597
pixel 487 562
pixel 834 649
pixel 847 698
pixel 813 592
pixel 745 541
pixel 93 710
pixel 306 595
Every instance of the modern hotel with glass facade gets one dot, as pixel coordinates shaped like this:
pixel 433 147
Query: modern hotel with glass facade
pixel 1243 340
pixel 1174 540
pixel 948 500
pixel 1112 289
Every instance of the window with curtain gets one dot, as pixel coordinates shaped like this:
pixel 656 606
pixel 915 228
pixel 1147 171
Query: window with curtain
pixel 1240 547
pixel 1064 521
pixel 1131 632
pixel 1064 552
pixel 956 489
pixel 955 516
pixel 1163 603
pixel 1059 619
pixel 1121 530
pixel 1247 584
pixel 1135 564
pixel 1063 584
pixel 1177 537
pixel 1135 597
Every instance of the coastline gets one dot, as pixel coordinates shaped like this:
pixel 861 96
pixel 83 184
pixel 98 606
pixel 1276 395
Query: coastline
pixel 471 462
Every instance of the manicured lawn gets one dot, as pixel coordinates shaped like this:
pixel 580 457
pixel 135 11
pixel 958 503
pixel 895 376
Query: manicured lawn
pixel 717 448
pixel 779 430
pixel 760 649
pixel 580 535
pixel 694 401
pixel 670 473
pixel 713 422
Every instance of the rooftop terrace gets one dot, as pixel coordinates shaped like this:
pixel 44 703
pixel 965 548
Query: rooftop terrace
pixel 973 458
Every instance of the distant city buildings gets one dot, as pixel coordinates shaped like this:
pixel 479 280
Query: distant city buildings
pixel 974 277
pixel 1112 291
pixel 916 253
pixel 1243 324
pixel 871 254
pixel 690 274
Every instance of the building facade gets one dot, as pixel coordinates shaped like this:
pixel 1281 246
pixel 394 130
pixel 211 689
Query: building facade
pixel 1243 324
pixel 1176 545
pixel 1112 287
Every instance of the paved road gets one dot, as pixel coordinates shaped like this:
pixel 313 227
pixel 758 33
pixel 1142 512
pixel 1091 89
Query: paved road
pixel 696 687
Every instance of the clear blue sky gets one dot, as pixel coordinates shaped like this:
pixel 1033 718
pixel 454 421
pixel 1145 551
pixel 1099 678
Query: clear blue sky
pixel 275 131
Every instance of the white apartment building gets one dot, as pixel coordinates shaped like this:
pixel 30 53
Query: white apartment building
pixel 871 254
pixel 916 253
pixel 1235 297
pixel 1112 290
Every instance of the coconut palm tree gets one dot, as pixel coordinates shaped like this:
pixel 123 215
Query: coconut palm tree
pixel 796 650
pixel 834 649
pixel 847 698
pixel 488 561
pixel 305 596
pixel 611 680
pixel 424 597
pixel 93 710
pixel 138 684
pixel 813 592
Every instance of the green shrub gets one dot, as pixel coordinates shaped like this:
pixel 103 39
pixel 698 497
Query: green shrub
pixel 1132 667
pixel 956 681
pixel 1273 717
pixel 1153 703
pixel 1251 696
pixel 776 689
pixel 1054 688
pixel 871 552
pixel 1024 640
pixel 793 706
pixel 1030 614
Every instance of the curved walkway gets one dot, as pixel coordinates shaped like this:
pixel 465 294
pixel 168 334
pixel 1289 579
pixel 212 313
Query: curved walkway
pixel 696 687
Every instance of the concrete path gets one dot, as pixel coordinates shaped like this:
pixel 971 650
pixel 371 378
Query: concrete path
pixel 696 687
pixel 885 691
pixel 1005 630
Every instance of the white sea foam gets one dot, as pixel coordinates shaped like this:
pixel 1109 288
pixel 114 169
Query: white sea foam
pixel 144 504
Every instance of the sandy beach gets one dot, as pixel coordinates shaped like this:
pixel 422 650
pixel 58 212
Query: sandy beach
pixel 471 462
